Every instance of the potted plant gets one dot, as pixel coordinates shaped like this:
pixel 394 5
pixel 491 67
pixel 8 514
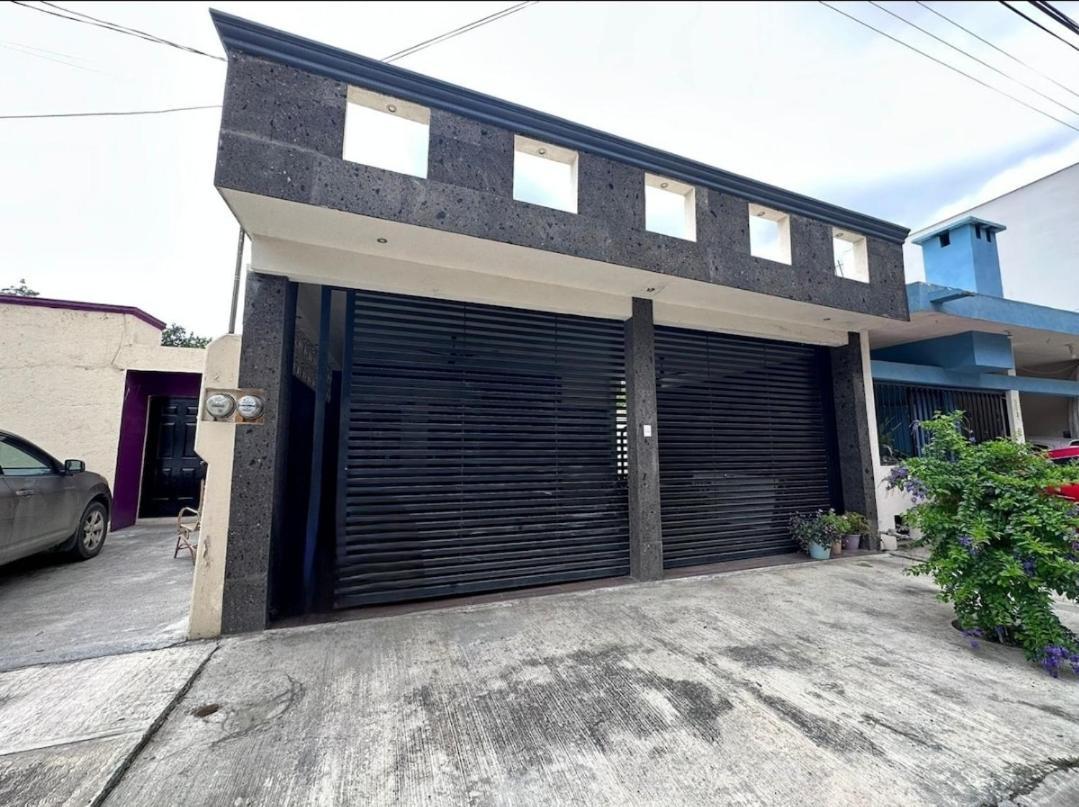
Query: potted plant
pixel 854 526
pixel 837 525
pixel 814 533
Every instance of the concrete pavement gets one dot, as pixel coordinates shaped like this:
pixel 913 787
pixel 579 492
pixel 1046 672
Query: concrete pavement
pixel 839 683
pixel 67 731
pixel 133 596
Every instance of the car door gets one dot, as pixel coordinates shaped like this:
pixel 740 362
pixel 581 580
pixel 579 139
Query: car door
pixel 7 520
pixel 43 497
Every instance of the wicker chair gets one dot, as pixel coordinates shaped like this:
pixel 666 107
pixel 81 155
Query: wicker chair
pixel 188 522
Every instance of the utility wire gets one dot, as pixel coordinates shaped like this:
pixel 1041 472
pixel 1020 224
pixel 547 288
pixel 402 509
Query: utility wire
pixel 40 53
pixel 393 57
pixel 1020 82
pixel 1015 59
pixel 1035 22
pixel 111 114
pixel 1049 10
pixel 86 19
pixel 950 67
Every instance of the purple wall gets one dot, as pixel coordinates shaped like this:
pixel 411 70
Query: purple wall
pixel 138 388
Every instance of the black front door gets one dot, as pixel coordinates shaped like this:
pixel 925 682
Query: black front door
pixel 170 470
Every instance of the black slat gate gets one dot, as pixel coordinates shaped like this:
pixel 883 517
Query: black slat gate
pixel 482 450
pixel 744 442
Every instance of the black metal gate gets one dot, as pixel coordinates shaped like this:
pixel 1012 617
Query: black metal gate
pixel 481 450
pixel 745 441
pixel 900 407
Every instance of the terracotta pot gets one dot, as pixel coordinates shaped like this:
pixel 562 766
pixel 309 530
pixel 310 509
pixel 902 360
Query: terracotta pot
pixel 837 548
pixel 851 541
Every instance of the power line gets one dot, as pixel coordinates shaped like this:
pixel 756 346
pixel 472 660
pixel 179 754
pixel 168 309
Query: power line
pixel 40 53
pixel 1035 22
pixel 124 113
pixel 1015 59
pixel 1034 90
pixel 1051 11
pixel 393 57
pixel 86 19
pixel 950 67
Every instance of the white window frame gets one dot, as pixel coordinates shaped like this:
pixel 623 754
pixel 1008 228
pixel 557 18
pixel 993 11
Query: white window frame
pixel 386 105
pixel 860 252
pixel 783 227
pixel 545 151
pixel 658 185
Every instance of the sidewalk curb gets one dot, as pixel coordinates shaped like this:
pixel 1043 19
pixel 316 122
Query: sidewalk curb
pixel 151 730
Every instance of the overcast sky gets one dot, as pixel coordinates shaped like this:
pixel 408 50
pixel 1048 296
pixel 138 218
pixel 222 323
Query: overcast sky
pixel 123 210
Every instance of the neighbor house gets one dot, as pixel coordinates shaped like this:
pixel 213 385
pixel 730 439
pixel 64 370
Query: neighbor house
pixel 92 381
pixel 498 349
pixel 1011 366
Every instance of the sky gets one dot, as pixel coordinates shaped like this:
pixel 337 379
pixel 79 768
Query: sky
pixel 123 210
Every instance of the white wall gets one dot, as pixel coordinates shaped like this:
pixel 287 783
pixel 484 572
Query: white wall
pixel 62 375
pixel 1039 252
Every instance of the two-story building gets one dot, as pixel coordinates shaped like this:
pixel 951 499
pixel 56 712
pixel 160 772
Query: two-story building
pixel 499 349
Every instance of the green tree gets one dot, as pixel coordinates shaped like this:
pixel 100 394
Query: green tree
pixel 22 290
pixel 1001 542
pixel 177 335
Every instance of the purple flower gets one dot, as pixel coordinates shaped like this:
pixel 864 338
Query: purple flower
pixel 973 634
pixel 966 541
pixel 1053 655
pixel 917 490
pixel 1029 567
pixel 897 476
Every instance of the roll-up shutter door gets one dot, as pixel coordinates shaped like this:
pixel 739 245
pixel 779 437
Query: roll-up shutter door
pixel 482 450
pixel 744 442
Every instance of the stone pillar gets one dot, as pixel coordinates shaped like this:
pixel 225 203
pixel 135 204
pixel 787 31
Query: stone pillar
pixel 855 437
pixel 258 478
pixel 645 531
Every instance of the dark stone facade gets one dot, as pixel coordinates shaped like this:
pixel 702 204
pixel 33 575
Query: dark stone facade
pixel 282 134
pixel 645 528
pixel 258 472
pixel 853 436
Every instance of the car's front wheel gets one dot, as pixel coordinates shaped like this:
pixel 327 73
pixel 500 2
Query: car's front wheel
pixel 90 534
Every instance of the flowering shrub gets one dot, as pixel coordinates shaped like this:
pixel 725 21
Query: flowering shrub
pixel 1000 543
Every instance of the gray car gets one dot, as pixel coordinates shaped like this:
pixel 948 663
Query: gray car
pixel 45 504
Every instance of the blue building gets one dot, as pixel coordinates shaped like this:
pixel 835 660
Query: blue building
pixel 1010 366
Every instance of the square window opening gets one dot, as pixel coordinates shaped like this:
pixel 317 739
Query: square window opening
pixel 850 255
pixel 769 234
pixel 386 132
pixel 670 207
pixel 945 239
pixel 544 174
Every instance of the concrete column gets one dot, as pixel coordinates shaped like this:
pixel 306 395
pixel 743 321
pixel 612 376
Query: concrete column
pixel 214 442
pixel 645 531
pixel 1015 414
pixel 258 495
pixel 855 433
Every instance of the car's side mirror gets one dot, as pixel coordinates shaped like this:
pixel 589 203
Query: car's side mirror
pixel 74 466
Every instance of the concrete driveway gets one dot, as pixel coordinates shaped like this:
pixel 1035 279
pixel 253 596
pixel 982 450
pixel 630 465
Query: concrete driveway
pixel 839 683
pixel 133 596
